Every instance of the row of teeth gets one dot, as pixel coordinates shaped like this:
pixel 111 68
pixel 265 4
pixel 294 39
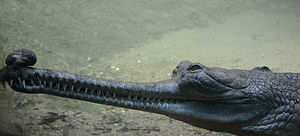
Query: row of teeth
pixel 58 86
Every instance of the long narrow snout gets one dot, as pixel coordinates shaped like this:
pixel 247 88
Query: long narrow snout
pixel 213 98
pixel 153 97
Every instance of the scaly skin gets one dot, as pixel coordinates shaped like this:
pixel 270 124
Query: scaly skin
pixel 242 102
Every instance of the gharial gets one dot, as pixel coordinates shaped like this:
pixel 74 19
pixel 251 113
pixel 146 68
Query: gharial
pixel 241 102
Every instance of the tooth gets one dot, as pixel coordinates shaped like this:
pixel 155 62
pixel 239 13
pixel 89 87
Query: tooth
pixel 92 91
pixel 114 95
pixel 23 83
pixel 45 82
pixel 65 87
pixel 72 88
pixel 11 82
pixel 78 89
pixel 128 97
pixel 40 82
pixel 50 85
pixel 152 104
pixel 32 82
pixel 98 93
pixel 86 89
pixel 58 85
pixel 20 82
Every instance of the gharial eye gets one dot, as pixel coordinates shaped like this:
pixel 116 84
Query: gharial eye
pixel 194 67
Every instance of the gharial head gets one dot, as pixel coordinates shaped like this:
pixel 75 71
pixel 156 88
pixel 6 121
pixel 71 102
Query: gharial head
pixel 242 102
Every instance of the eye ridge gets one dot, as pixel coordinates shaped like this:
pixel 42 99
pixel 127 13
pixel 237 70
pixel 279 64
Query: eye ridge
pixel 194 67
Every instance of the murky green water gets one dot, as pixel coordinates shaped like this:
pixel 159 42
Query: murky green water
pixel 135 40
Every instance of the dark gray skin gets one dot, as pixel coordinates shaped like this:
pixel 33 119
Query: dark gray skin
pixel 242 102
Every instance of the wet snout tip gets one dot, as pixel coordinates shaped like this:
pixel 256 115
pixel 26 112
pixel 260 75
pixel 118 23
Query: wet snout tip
pixel 22 57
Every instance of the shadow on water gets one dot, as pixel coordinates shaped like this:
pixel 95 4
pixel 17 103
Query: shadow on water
pixel 136 41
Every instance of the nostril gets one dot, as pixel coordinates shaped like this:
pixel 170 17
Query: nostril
pixel 194 67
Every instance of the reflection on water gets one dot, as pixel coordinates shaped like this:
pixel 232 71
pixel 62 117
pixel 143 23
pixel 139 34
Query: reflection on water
pixel 138 41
